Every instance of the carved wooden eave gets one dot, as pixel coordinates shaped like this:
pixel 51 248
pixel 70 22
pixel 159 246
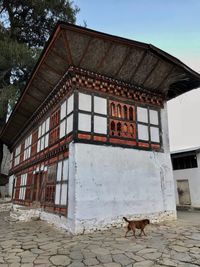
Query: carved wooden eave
pixel 142 65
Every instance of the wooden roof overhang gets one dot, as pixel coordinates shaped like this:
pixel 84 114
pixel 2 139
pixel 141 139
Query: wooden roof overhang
pixel 136 63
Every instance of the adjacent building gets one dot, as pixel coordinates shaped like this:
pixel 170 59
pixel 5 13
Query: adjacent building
pixel 89 134
pixel 186 170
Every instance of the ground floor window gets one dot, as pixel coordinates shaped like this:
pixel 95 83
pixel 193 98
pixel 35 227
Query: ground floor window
pixel 61 183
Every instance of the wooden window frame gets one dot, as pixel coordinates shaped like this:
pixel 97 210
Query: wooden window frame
pixel 27 148
pixel 61 182
pixel 71 113
pixel 43 135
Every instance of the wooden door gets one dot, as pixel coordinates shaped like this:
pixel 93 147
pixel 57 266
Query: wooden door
pixel 183 192
pixel 37 180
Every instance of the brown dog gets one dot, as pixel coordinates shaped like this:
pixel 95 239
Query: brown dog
pixel 132 225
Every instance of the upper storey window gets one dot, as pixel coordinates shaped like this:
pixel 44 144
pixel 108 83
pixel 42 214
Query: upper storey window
pixel 148 125
pixel 17 155
pixel 122 120
pixel 43 135
pixel 92 114
pixel 54 126
pixel 61 183
pixel 27 147
pixel 66 116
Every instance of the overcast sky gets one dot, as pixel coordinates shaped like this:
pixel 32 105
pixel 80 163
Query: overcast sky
pixel 173 26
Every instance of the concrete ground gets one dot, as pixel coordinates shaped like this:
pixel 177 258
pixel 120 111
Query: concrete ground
pixel 39 244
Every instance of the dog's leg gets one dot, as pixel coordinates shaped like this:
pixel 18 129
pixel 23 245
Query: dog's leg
pixel 134 233
pixel 143 232
pixel 127 232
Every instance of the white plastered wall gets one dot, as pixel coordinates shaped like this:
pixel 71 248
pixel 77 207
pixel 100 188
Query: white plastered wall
pixel 108 182
pixel 192 175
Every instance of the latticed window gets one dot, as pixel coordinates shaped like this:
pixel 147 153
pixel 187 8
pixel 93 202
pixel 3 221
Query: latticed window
pixel 112 107
pixel 125 112
pixel 131 114
pixel 54 127
pixel 119 111
pixel 50 186
pixel 52 173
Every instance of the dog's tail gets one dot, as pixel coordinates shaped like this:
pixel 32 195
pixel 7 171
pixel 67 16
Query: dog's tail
pixel 126 219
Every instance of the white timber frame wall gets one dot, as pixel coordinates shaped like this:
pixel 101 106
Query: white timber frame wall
pixel 191 175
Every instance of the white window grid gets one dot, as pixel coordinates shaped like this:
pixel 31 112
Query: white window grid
pixel 149 122
pixel 92 118
pixel 27 147
pixel 62 183
pixel 66 117
pixel 43 135
pixel 22 190
pixel 17 155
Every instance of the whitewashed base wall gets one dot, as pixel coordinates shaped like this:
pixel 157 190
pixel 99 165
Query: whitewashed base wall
pixel 107 183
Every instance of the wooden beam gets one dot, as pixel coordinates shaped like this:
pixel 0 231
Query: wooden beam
pixel 35 98
pixel 104 57
pixel 124 61
pixel 154 67
pixel 139 64
pixel 53 69
pixel 56 54
pixel 23 114
pixel 164 79
pixel 66 43
pixel 38 90
pixel 85 51
pixel 24 110
pixel 41 77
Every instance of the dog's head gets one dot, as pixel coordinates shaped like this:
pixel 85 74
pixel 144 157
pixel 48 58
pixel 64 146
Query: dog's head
pixel 147 221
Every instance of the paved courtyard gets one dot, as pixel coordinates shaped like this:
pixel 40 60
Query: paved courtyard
pixel 39 244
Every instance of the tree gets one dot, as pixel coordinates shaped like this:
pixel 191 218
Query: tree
pixel 25 26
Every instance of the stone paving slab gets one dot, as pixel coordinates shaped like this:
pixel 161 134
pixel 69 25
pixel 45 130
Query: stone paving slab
pixel 39 244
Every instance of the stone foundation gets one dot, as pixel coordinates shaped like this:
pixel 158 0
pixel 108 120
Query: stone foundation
pixel 104 224
pixel 24 214
pixel 5 204
pixel 21 213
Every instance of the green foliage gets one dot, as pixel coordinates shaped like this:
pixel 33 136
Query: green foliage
pixel 25 26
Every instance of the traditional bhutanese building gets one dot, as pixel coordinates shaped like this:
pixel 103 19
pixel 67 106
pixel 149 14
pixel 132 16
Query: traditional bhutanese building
pixel 89 134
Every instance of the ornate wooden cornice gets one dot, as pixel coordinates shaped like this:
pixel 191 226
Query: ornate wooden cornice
pixel 82 78
pixel 97 82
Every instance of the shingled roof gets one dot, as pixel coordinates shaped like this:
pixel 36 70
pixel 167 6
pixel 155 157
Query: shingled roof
pixel 122 59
